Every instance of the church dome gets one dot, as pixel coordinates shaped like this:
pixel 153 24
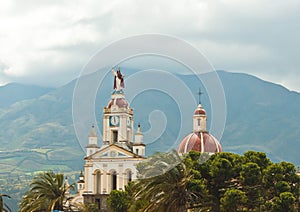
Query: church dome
pixel 199 110
pixel 120 102
pixel 200 142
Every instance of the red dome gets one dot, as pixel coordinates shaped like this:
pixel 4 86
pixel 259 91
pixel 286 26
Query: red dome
pixel 200 142
pixel 199 111
pixel 120 102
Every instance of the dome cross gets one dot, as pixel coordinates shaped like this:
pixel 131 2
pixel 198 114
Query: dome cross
pixel 199 95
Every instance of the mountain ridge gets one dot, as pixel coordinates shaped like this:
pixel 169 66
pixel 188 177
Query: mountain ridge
pixel 14 92
pixel 260 115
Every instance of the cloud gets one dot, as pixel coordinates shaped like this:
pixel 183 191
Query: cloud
pixel 55 39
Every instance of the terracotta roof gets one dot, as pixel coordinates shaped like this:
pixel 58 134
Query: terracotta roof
pixel 200 142
pixel 199 110
pixel 120 102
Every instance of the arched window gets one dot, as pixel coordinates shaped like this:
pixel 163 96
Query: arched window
pixel 114 180
pixel 129 176
pixel 97 182
pixel 115 136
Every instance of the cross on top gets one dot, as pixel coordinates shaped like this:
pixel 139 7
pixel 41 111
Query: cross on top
pixel 199 95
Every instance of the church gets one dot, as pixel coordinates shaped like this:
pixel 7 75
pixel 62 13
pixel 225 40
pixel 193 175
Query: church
pixel 113 165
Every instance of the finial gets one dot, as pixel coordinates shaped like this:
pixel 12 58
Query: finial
pixel 139 128
pixel 93 131
pixel 199 94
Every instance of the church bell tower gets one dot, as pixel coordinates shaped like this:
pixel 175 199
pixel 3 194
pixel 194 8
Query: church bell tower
pixel 112 165
pixel 118 116
pixel 118 120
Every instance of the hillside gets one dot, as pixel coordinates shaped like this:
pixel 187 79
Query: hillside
pixel 37 133
pixel 15 92
pixel 261 116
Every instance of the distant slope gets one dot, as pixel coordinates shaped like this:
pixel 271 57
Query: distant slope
pixel 14 92
pixel 262 116
pixel 39 132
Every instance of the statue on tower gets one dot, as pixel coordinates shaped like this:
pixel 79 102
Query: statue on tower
pixel 119 80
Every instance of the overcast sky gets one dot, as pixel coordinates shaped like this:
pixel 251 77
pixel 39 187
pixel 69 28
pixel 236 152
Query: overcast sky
pixel 48 42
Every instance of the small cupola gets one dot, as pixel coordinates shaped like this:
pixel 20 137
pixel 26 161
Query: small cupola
pixel 199 119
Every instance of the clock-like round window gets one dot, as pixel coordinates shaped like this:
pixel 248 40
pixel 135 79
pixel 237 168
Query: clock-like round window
pixel 113 153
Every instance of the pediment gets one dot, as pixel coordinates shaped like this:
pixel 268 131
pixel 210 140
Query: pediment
pixel 112 151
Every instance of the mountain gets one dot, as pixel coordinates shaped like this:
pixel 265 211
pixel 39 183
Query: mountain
pixel 14 92
pixel 261 116
pixel 37 132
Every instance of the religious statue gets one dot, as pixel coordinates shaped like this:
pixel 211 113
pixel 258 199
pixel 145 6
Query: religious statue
pixel 119 79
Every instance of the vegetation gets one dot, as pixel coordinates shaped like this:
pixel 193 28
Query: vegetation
pixel 2 204
pixel 225 182
pixel 233 200
pixel 119 201
pixel 48 191
pixel 85 207
pixel 196 182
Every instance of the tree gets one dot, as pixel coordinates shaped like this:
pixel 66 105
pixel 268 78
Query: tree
pixel 250 174
pixel 89 207
pixel 29 203
pixel 118 201
pixel 287 200
pixel 282 186
pixel 200 182
pixel 48 192
pixel 2 204
pixel 174 189
pixel 290 176
pixel 284 203
pixel 220 173
pixel 251 179
pixel 260 158
pixel 233 200
pixel 279 178
pixel 124 200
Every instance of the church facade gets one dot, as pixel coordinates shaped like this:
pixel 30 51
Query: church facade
pixel 113 164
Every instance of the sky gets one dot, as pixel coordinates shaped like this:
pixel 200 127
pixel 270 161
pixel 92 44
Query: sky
pixel 48 42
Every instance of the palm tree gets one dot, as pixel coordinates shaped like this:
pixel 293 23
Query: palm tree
pixel 86 207
pixel 29 203
pixel 173 190
pixel 3 204
pixel 48 191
